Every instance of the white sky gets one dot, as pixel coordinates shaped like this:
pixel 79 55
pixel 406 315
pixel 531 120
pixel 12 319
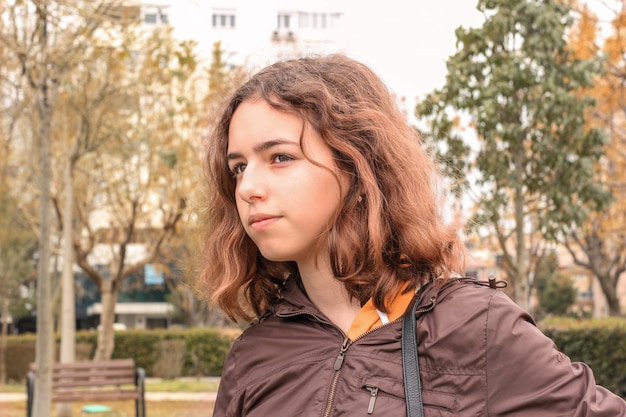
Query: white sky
pixel 408 41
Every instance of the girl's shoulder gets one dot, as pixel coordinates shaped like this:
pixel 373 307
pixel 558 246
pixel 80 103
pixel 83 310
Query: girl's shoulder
pixel 469 302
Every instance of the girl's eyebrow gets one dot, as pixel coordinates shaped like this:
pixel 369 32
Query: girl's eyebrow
pixel 261 147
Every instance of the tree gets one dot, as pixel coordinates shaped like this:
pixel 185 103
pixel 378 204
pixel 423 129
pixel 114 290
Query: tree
pixel 17 240
pixel 555 290
pixel 47 39
pixel 17 246
pixel 599 245
pixel 188 300
pixel 516 81
pixel 86 98
pixel 31 42
pixel 557 294
pixel 17 243
pixel 135 189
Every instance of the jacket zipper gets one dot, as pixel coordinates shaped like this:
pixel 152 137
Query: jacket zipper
pixel 337 367
pixel 345 346
pixel 339 363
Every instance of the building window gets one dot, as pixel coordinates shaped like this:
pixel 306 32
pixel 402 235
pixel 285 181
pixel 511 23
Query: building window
pixel 284 21
pixel 223 20
pixel 303 20
pixel 321 21
pixel 155 16
pixel 150 18
pixel 153 275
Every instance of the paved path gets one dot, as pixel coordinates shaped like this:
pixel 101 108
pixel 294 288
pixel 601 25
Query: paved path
pixel 12 396
pixel 150 396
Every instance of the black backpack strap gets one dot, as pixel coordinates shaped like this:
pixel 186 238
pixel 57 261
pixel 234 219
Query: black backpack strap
pixel 410 364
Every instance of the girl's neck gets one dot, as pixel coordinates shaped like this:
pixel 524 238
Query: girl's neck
pixel 329 294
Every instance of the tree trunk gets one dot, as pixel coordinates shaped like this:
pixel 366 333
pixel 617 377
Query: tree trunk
pixel 610 292
pixel 3 339
pixel 521 248
pixel 600 260
pixel 106 335
pixel 44 343
pixel 521 271
pixel 68 312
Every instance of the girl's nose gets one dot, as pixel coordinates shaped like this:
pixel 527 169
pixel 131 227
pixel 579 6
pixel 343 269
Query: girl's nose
pixel 250 186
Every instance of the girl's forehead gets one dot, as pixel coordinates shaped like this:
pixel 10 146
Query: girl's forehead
pixel 256 120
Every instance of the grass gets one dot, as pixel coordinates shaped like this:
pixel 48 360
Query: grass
pixel 13 388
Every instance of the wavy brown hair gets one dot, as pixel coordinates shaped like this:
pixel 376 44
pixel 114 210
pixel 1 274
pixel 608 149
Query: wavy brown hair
pixel 388 229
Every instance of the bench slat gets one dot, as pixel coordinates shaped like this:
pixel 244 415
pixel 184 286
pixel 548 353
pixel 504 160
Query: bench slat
pixel 104 371
pixel 93 383
pixel 126 373
pixel 72 396
pixel 114 363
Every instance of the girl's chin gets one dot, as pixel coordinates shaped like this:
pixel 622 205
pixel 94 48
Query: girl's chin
pixel 275 257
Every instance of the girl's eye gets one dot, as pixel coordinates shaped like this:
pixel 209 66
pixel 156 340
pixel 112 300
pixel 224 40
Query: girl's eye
pixel 238 169
pixel 279 158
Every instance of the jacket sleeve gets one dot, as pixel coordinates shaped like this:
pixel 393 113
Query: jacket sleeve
pixel 528 376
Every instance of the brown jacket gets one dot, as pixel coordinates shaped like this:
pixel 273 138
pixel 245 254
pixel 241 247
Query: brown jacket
pixel 480 355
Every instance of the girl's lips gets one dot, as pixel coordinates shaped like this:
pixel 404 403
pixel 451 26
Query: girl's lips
pixel 259 221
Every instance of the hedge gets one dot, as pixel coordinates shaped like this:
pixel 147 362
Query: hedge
pixel 203 352
pixel 600 343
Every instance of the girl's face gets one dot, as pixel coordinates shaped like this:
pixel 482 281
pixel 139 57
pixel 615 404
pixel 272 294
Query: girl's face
pixel 284 201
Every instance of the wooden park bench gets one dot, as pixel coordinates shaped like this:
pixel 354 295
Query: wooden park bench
pixel 112 380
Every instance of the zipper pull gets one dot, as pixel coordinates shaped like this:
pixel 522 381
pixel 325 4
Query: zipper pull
pixel 374 392
pixel 342 354
pixel 339 361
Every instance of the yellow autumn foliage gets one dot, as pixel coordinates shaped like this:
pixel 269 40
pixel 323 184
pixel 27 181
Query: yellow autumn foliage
pixel 609 113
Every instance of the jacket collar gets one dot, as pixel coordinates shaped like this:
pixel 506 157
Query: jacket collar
pixel 293 299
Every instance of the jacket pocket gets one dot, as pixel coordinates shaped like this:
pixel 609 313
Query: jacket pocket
pixel 385 396
pixel 381 396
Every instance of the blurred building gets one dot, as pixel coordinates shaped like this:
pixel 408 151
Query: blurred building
pixel 252 32
pixel 142 300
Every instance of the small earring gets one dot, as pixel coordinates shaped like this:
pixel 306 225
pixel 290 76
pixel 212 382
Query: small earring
pixel 360 198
